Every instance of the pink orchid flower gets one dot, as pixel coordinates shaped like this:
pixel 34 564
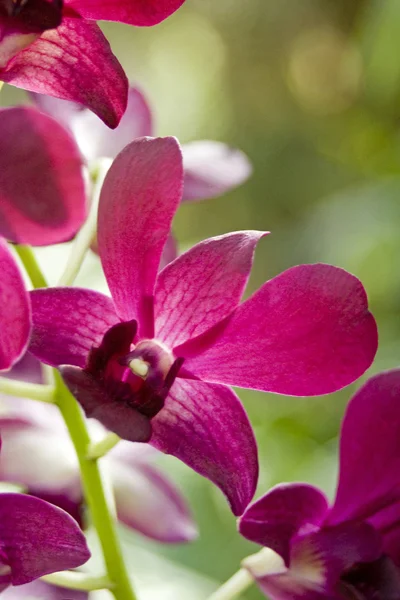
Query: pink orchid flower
pixel 155 362
pixel 351 548
pixel 55 47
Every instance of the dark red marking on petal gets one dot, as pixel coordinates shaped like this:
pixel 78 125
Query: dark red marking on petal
pixel 32 15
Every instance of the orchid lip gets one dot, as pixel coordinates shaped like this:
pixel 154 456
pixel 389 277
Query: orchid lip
pixel 137 373
pixel 151 371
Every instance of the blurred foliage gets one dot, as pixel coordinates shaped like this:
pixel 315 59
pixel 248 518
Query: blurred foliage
pixel 311 91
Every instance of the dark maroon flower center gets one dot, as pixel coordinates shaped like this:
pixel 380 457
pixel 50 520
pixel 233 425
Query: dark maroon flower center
pixel 378 580
pixel 34 16
pixel 139 373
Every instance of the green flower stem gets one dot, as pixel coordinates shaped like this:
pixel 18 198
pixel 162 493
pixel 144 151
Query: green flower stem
pixel 34 391
pixel 94 493
pixel 29 261
pixel 74 580
pixel 117 577
pixel 86 235
pixel 98 449
pixel 234 587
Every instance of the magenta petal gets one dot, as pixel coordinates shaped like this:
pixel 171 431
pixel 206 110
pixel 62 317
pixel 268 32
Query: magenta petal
pixel 212 168
pixel 275 518
pixel 133 12
pixel 15 312
pixel 67 322
pixel 38 538
pixel 203 286
pixel 43 591
pixel 148 502
pixel 119 417
pixel 42 190
pixel 370 436
pixel 74 62
pixel 306 332
pixel 207 428
pixel 139 198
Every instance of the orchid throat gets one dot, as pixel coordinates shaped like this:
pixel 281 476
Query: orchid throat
pixel 139 374
pixel 33 15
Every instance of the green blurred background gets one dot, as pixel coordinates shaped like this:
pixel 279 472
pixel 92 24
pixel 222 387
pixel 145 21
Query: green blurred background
pixel 310 90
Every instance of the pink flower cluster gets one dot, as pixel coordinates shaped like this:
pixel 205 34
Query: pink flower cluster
pixel 157 360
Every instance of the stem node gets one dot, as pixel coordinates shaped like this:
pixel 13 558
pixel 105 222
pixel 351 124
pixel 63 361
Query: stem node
pixel 99 449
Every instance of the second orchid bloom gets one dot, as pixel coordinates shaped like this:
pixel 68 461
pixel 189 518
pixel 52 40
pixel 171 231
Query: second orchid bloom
pixel 154 363
pixel 349 550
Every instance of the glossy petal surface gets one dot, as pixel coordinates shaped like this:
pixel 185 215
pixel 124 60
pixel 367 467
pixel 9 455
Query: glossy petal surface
pixel 134 12
pixel 148 502
pixel 139 198
pixel 212 168
pixel 38 538
pixel 207 428
pixel 275 518
pixel 306 332
pixel 74 62
pixel 370 436
pixel 203 285
pixel 42 191
pixel 40 590
pixel 67 322
pixel 15 315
